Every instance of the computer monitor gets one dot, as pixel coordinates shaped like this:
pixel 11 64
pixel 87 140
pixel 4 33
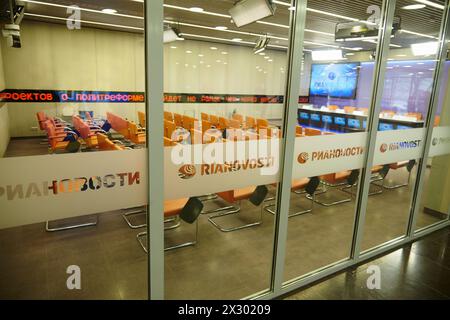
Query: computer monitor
pixel 365 124
pixel 327 119
pixel 304 115
pixel 385 127
pixel 400 127
pixel 354 123
pixel 339 121
pixel 315 117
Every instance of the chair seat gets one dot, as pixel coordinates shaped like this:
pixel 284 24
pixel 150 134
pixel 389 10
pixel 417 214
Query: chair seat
pixel 174 207
pixel 299 184
pixel 399 165
pixel 244 193
pixel 377 169
pixel 336 177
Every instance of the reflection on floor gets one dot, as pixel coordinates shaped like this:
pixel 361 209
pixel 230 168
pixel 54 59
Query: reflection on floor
pixel 232 265
pixel 417 271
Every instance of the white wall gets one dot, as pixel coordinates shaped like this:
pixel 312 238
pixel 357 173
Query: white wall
pixel 4 119
pixel 52 57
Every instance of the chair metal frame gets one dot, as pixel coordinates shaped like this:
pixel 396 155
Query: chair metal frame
pixel 234 210
pixel 300 213
pixel 138 211
pixel 143 234
pixel 69 227
pixel 325 189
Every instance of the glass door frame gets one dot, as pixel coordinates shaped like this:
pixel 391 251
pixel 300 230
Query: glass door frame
pixel 154 109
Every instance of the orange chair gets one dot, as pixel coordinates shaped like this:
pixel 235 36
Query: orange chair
pixel 224 123
pixel 189 122
pixel 238 117
pixel 234 124
pixel 409 165
pixel 299 131
pixel 187 210
pixel 363 110
pixel 56 139
pixel 349 109
pixel 119 124
pixel 205 116
pixel 169 143
pixel 255 195
pixel 168 116
pixel 262 123
pixel 169 128
pixel 332 107
pixel 214 121
pixel 137 135
pixel 437 121
pixel 178 119
pixel 105 144
pixel 250 123
pixel 416 115
pixel 142 119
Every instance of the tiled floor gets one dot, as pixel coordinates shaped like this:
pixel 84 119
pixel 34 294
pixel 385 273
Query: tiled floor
pixel 221 266
pixel 417 271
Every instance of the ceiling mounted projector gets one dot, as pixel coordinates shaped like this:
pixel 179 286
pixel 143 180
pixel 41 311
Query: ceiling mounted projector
pixel 361 30
pixel 261 44
pixel 247 11
pixel 170 34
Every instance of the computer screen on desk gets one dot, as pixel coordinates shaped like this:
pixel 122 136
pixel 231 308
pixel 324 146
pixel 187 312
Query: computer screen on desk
pixel 337 80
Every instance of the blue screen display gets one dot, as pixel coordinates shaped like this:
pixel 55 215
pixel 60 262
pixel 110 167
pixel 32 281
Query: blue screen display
pixel 334 80
pixel 399 127
pixel 339 121
pixel 365 124
pixel 304 115
pixel 327 119
pixel 315 117
pixel 386 127
pixel 354 123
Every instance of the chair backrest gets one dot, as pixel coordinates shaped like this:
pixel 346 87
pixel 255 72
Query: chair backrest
pixel 205 116
pixel 299 130
pixel 192 210
pixel 364 110
pixel 188 122
pixel 81 127
pixel 235 124
pixel 168 142
pixel 142 119
pixel 238 117
pixel 214 120
pixel 169 128
pixel 262 123
pixel 250 122
pixel 312 185
pixel 41 117
pixel 258 196
pixel 416 115
pixel 168 116
pixel 224 123
pixel 349 109
pixel 178 119
pixel 206 125
pixel 117 123
pixel 332 107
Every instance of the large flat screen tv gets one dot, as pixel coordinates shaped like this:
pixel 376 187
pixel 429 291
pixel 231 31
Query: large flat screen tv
pixel 338 80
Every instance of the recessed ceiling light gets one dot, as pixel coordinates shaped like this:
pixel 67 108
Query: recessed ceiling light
pixel 291 8
pixel 208 66
pixel 201 62
pixel 236 39
pixel 350 54
pixel 407 66
pixel 201 55
pixel 414 7
pixel 221 28
pixel 218 61
pixel 196 9
pixel 224 52
pixel 188 51
pixel 401 55
pixel 262 54
pixel 270 60
pixel 267 57
pixel 173 47
pixel 225 63
pixel 213 48
pixel 110 11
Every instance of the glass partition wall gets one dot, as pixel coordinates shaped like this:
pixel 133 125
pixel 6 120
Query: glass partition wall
pixel 293 146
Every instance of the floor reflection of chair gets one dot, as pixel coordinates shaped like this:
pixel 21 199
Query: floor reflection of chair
pixel 142 211
pixel 255 195
pixel 378 174
pixel 187 210
pixel 75 225
pixel 300 186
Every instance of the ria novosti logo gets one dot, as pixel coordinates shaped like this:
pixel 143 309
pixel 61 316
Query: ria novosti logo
pixel 383 148
pixel 400 145
pixel 187 171
pixel 303 157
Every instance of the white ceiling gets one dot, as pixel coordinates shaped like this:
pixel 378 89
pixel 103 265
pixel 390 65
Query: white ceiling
pixel 417 24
